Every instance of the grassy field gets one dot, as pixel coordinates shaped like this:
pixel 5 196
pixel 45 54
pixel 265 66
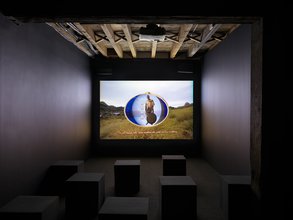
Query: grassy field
pixel 178 125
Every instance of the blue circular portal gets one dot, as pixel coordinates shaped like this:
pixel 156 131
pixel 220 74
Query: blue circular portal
pixel 146 110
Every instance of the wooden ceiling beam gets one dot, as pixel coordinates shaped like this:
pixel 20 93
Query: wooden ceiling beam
pixel 126 19
pixel 99 40
pixel 110 35
pixel 89 34
pixel 64 33
pixel 219 40
pixel 154 48
pixel 170 39
pixel 206 35
pixel 194 40
pixel 184 30
pixel 127 31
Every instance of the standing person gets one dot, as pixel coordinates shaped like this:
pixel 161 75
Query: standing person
pixel 149 109
pixel 149 105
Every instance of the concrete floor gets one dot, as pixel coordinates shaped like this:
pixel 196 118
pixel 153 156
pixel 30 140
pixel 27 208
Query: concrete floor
pixel 206 178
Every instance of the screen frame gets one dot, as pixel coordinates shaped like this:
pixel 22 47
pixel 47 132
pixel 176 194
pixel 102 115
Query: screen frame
pixel 146 147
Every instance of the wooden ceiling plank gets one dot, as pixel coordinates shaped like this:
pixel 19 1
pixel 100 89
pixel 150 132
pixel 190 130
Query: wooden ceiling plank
pixel 219 40
pixel 195 40
pixel 100 36
pixel 99 40
pixel 70 38
pixel 119 40
pixel 111 37
pixel 184 30
pixel 136 41
pixel 89 34
pixel 206 35
pixel 127 31
pixel 170 39
pixel 233 29
pixel 154 48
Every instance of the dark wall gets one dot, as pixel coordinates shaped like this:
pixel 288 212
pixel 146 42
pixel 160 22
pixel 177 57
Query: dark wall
pixel 226 104
pixel 45 93
pixel 145 69
pixel 277 130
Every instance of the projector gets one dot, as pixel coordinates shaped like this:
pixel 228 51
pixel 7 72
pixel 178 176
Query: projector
pixel 152 32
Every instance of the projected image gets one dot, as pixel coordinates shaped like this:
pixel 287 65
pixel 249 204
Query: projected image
pixel 146 109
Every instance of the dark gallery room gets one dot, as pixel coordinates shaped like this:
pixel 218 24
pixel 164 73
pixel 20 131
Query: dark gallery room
pixel 107 116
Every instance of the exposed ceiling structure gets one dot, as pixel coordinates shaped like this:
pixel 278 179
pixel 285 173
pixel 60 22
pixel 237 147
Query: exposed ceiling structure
pixel 144 40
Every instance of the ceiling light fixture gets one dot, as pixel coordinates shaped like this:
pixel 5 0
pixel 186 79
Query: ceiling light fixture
pixel 152 32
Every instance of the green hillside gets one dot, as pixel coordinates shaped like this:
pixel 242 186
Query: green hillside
pixel 178 125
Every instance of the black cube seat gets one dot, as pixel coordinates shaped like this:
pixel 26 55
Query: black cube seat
pixel 127 177
pixel 237 197
pixel 174 165
pixel 31 208
pixel 85 194
pixel 125 208
pixel 178 197
pixel 59 172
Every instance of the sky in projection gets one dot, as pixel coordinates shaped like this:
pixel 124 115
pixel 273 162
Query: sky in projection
pixel 118 93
